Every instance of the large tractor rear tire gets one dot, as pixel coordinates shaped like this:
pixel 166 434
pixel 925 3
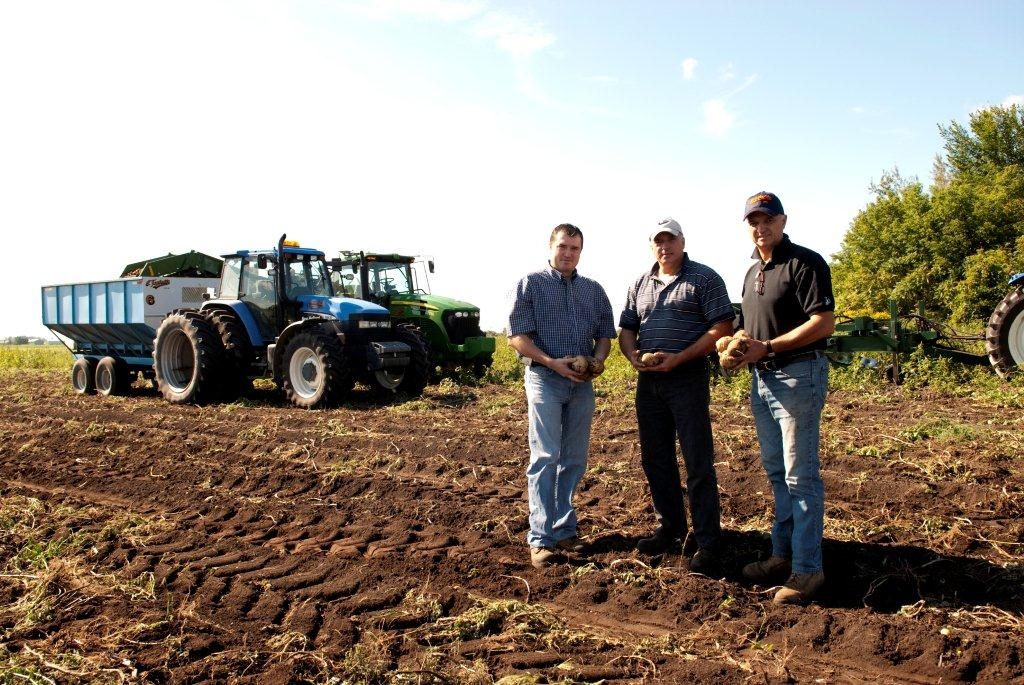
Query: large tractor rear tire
pixel 112 377
pixel 187 357
pixel 238 354
pixel 315 372
pixel 83 376
pixel 1004 335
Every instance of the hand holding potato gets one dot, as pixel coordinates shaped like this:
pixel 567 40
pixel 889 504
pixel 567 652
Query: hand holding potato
pixel 731 349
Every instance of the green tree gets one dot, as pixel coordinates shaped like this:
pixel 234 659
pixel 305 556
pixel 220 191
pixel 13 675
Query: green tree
pixel 951 249
pixel 993 140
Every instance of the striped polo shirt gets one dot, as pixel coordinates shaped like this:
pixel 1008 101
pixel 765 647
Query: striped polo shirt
pixel 671 316
pixel 563 316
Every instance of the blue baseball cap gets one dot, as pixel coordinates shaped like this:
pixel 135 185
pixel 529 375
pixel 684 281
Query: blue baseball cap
pixel 763 201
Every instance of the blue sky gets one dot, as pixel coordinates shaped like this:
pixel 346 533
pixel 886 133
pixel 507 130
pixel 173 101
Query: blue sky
pixel 466 130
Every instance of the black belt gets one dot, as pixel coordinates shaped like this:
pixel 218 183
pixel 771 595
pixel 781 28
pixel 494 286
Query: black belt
pixel 776 363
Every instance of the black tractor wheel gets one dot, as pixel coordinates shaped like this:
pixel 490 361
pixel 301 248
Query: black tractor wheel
pixel 238 354
pixel 315 372
pixel 417 373
pixel 112 377
pixel 83 376
pixel 1004 335
pixel 187 357
pixel 481 365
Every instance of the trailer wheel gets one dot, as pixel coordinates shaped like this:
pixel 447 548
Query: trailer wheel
pixel 315 372
pixel 83 376
pixel 112 377
pixel 187 356
pixel 1004 335
pixel 238 354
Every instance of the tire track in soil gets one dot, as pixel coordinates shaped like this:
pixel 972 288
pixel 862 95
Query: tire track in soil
pixel 261 540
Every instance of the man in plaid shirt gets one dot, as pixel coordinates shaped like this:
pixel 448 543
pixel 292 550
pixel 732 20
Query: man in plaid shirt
pixel 558 314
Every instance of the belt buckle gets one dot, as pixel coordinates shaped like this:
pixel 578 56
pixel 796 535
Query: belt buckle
pixel 768 365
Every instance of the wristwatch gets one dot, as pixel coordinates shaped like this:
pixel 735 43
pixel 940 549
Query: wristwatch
pixel 768 346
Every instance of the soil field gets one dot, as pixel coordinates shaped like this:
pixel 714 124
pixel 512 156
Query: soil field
pixel 257 543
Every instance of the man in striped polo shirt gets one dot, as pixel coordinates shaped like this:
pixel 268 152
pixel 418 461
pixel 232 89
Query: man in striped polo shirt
pixel 558 314
pixel 674 313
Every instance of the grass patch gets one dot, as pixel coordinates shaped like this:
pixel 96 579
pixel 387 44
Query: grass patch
pixel 37 357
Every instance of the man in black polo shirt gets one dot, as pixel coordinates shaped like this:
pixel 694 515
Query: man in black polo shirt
pixel 788 312
pixel 674 313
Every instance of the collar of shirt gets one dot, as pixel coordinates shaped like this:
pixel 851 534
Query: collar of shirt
pixel 555 273
pixel 655 272
pixel 781 251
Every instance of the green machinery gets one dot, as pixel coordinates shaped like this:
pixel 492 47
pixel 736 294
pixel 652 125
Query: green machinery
pixel 902 334
pixel 401 283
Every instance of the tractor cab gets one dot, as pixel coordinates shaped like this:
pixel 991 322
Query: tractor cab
pixel 378 277
pixel 278 287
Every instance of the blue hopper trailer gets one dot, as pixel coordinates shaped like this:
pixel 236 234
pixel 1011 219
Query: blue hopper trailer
pixel 110 326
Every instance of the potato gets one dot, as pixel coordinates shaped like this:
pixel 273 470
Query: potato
pixel 728 362
pixel 649 358
pixel 722 343
pixel 595 367
pixel 734 350
pixel 579 364
pixel 737 347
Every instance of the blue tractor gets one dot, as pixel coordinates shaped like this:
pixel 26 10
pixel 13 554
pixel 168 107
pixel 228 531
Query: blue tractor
pixel 275 315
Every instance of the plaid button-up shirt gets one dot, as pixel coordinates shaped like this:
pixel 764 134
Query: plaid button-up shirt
pixel 563 316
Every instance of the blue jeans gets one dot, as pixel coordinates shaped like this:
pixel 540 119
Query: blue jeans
pixel 787 405
pixel 675 406
pixel 560 413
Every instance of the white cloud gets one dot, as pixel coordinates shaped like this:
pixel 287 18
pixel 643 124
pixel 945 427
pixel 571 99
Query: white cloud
pixel 440 10
pixel 747 82
pixel 1014 100
pixel 689 67
pixel 717 119
pixel 512 34
pixel 727 72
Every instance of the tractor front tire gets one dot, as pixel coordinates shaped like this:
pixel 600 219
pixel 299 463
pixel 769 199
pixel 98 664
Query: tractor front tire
pixel 1004 335
pixel 315 373
pixel 417 373
pixel 481 365
pixel 83 376
pixel 187 358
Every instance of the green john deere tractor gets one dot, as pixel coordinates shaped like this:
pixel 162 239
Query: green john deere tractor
pixel 401 283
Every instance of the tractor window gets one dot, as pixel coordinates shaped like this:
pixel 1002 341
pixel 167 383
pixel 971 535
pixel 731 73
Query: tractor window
pixel 307 275
pixel 389 278
pixel 258 294
pixel 346 284
pixel 230 278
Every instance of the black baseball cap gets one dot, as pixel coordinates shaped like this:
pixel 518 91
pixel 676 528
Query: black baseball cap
pixel 766 202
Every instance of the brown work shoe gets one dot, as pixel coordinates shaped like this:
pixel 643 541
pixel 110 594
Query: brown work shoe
pixel 800 588
pixel 573 544
pixel 770 571
pixel 542 557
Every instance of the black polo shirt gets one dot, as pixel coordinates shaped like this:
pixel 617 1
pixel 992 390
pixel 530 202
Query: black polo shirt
pixel 797 283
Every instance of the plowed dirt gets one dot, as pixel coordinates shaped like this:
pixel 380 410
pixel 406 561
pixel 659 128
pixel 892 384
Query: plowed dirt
pixel 385 543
